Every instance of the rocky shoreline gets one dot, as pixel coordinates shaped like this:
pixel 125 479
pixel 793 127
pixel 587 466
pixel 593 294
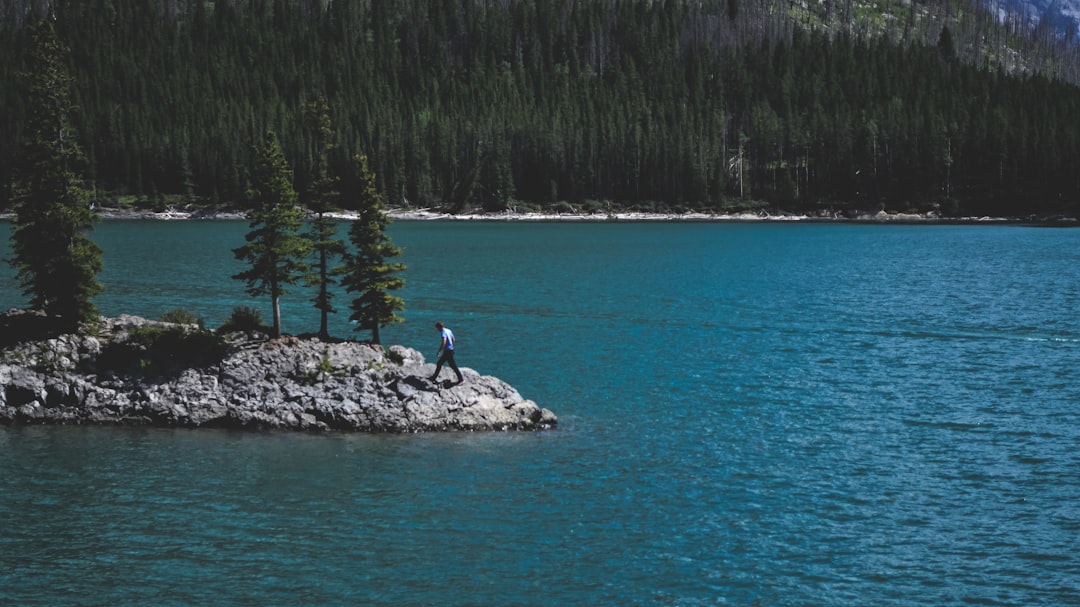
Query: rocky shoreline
pixel 184 377
pixel 691 217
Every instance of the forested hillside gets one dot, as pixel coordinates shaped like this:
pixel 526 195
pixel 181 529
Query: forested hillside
pixel 710 104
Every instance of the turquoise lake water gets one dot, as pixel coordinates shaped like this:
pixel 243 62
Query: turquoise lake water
pixel 750 414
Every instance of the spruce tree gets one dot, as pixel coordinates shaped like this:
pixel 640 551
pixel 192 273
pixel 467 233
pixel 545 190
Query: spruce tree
pixel 322 198
pixel 369 273
pixel 275 249
pixel 56 262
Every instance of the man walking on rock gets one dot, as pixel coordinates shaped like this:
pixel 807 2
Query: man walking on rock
pixel 446 353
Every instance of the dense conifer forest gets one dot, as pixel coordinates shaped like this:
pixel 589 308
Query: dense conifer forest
pixel 715 105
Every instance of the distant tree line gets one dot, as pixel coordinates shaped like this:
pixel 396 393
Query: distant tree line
pixel 710 105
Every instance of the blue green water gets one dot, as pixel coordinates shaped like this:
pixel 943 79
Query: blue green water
pixel 764 414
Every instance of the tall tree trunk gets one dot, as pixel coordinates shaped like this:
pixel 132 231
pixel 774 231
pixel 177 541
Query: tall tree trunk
pixel 324 332
pixel 275 298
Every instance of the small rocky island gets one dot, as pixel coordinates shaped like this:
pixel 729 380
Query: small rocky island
pixel 134 371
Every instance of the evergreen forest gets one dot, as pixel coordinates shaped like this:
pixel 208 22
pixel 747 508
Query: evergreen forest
pixel 586 105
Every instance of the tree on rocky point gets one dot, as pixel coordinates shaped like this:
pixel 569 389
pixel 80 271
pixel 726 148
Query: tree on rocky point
pixel 56 262
pixel 368 270
pixel 323 196
pixel 275 249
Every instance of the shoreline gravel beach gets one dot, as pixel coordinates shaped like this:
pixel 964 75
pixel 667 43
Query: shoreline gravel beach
pixel 693 217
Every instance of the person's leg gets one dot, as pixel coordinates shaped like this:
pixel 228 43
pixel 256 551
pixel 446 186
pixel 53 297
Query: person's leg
pixel 439 364
pixel 453 365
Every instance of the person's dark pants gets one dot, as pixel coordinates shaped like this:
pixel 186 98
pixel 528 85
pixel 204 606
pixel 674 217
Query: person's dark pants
pixel 448 359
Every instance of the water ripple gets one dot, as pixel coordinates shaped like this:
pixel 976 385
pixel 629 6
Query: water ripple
pixel 769 415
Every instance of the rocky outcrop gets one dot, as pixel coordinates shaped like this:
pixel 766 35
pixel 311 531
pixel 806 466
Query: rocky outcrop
pixel 136 371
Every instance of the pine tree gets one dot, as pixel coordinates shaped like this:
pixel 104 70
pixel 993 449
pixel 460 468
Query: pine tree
pixel 322 198
pixel 368 271
pixel 946 47
pixel 57 263
pixel 275 249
